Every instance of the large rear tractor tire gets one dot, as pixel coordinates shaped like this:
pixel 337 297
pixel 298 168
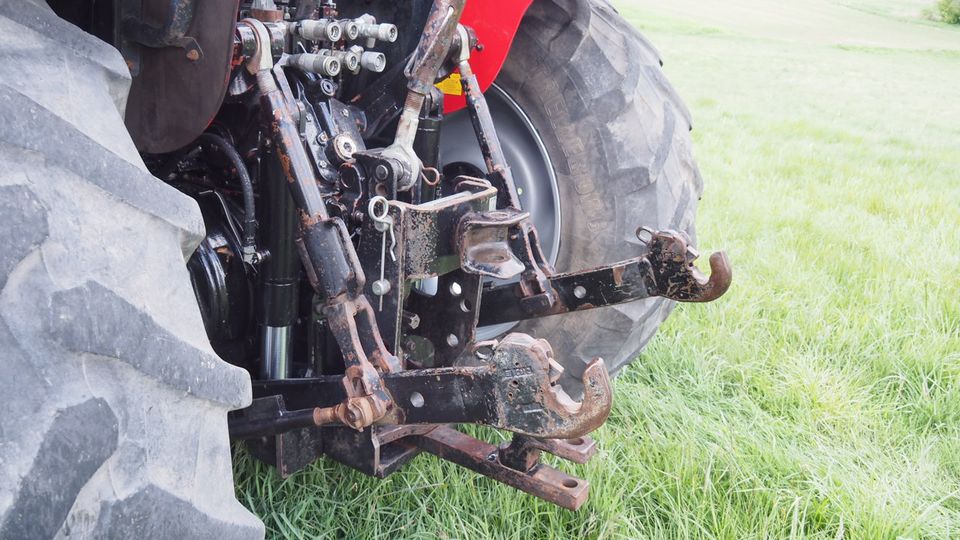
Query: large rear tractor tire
pixel 114 421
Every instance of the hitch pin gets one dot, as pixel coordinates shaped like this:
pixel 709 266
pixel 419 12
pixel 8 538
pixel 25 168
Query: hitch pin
pixel 383 222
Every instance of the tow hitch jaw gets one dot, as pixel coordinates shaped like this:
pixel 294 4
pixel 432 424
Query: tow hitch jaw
pixel 673 274
pixel 513 384
pixel 528 399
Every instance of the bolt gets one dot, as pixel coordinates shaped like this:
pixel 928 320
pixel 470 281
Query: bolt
pixel 579 291
pixel 381 172
pixel 412 320
pixel 345 112
pixel 193 55
pixel 380 287
pixel 344 146
pixel 327 87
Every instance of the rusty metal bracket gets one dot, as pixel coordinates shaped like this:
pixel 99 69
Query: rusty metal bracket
pixel 665 269
pixel 514 389
pixel 531 403
pixel 540 480
pixel 422 233
pixel 485 243
pixel 673 274
pixel 535 287
pixel 330 261
pixel 523 452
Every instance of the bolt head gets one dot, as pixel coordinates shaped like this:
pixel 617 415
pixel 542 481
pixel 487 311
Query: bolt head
pixel 381 172
pixel 344 146
pixel 380 287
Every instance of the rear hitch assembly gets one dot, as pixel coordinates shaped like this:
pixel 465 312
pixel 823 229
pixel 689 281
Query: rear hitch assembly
pixel 515 388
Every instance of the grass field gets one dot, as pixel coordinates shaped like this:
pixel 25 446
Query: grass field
pixel 821 397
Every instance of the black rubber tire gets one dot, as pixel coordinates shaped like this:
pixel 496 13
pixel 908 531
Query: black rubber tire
pixel 618 137
pixel 114 405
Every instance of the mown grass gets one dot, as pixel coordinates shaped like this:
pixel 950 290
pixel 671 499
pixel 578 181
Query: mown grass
pixel 820 397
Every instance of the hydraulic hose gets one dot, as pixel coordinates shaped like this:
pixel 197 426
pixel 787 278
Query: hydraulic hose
pixel 249 207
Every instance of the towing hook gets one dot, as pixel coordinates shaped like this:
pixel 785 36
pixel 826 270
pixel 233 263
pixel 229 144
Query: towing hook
pixel 721 274
pixel 530 401
pixel 673 274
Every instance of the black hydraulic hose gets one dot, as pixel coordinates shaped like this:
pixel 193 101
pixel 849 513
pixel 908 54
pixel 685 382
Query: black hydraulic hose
pixel 249 207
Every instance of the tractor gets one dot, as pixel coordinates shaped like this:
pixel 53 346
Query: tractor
pixel 320 228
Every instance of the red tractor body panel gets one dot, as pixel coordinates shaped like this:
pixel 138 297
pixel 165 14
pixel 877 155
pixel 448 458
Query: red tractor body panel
pixel 496 23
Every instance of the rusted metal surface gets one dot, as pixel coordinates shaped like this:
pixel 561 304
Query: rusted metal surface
pixel 426 230
pixel 374 413
pixel 532 404
pixel 485 243
pixel 486 133
pixel 676 277
pixel 176 92
pixel 433 48
pixel 514 389
pixel 523 452
pixel 267 15
pixel 453 312
pixel 665 268
pixel 421 72
pixel 535 287
pixel 540 481
pixel 423 249
pixel 352 323
pixel 333 268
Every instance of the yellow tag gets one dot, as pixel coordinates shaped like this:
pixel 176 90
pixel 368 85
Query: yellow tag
pixel 451 85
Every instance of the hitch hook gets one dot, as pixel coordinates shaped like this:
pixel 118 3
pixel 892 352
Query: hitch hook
pixel 672 273
pixel 528 399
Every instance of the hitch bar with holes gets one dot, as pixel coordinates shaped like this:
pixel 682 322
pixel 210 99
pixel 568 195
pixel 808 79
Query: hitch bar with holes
pixel 664 269
pixel 514 389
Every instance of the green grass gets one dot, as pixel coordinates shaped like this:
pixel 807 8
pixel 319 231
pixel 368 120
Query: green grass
pixel 819 398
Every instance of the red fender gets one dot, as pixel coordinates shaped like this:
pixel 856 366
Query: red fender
pixel 496 23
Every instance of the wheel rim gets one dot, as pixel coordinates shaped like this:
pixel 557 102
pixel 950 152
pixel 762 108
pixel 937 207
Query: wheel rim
pixel 527 157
